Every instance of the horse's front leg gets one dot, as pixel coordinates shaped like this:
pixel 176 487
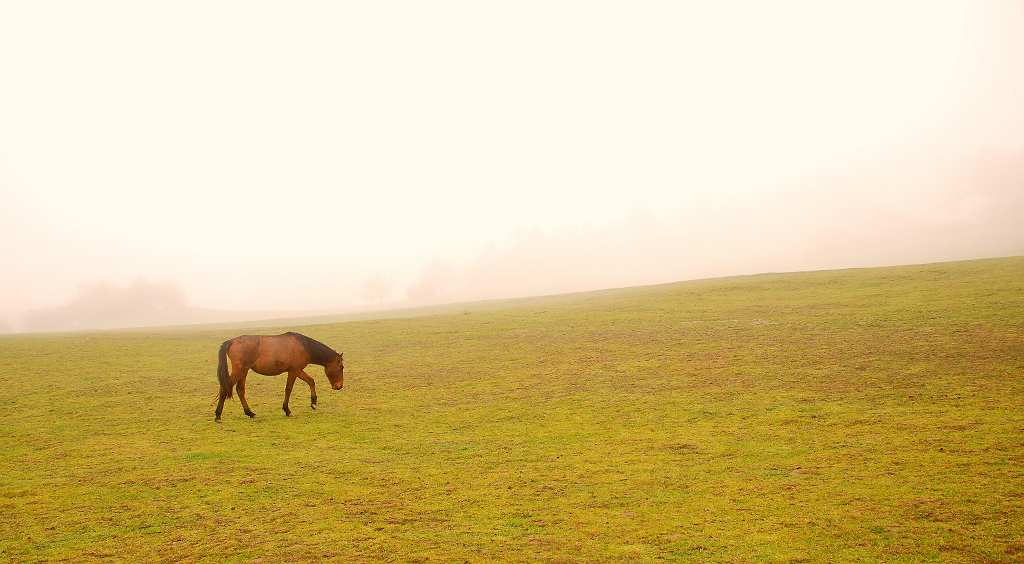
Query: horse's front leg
pixel 312 387
pixel 288 392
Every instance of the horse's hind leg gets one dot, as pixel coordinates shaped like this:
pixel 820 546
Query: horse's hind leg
pixel 312 387
pixel 240 388
pixel 288 392
pixel 220 406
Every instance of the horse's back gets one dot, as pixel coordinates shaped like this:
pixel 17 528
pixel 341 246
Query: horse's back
pixel 268 354
pixel 244 347
pixel 281 346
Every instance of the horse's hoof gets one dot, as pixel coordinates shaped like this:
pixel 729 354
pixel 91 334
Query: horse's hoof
pixel 287 413
pixel 217 420
pixel 313 405
pixel 251 414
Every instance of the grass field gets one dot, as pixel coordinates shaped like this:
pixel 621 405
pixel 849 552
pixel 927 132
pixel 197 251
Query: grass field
pixel 847 415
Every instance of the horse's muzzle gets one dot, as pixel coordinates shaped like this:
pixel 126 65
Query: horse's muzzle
pixel 337 386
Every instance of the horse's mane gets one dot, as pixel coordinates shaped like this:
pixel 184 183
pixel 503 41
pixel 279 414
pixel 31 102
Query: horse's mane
pixel 318 352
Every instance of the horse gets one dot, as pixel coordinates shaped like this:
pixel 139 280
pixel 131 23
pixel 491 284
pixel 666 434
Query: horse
pixel 271 355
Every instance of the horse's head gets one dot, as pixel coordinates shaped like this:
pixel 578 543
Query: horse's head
pixel 335 371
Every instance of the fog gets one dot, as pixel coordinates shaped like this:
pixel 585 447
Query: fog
pixel 203 161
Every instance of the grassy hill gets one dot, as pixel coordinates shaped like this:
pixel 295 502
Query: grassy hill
pixel 851 415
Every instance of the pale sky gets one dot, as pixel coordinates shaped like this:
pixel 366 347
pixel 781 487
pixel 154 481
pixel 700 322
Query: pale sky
pixel 277 155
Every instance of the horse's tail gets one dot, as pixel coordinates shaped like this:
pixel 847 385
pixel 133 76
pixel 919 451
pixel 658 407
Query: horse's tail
pixel 222 370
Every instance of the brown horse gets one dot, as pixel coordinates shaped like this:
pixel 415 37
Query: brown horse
pixel 271 355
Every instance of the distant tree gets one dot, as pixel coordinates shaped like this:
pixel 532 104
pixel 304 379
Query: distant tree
pixel 376 289
pixel 434 283
pixel 107 305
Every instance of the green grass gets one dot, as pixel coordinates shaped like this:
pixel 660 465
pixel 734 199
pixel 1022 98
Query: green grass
pixel 848 415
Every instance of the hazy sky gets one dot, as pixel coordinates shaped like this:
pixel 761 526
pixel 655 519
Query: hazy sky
pixel 276 155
